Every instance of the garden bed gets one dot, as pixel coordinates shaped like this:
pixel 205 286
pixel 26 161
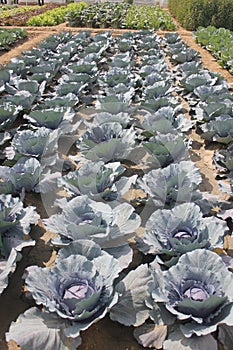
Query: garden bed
pixel 105 333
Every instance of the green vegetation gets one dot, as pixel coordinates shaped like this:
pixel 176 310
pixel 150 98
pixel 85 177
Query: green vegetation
pixel 194 13
pixel 121 15
pixel 99 15
pixel 219 42
pixel 9 37
pixel 7 11
pixel 148 17
pixel 55 16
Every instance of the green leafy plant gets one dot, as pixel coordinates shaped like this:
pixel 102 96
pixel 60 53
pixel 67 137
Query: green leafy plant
pixel 9 37
pixel 121 15
pixel 148 17
pixel 219 42
pixel 55 16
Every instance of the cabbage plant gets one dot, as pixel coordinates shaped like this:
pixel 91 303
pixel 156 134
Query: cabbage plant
pixel 175 184
pixel 205 92
pixel 165 120
pixel 185 55
pixel 185 303
pixel 107 142
pixel 27 175
pixel 23 99
pixel 113 104
pixel 166 149
pixel 40 143
pixel 83 218
pixel 158 89
pixel 15 225
pixel 207 111
pixel 8 114
pixel 98 181
pixel 77 292
pixel 223 159
pixel 171 233
pixel 104 117
pixel 116 76
pixel 202 78
pixel 61 118
pixel 218 130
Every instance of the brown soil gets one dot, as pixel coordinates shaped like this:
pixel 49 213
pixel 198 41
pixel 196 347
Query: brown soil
pixel 105 334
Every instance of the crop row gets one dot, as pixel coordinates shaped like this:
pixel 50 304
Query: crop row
pixel 55 16
pixel 95 125
pixel 121 15
pixel 19 15
pixel 96 15
pixel 9 37
pixel 219 42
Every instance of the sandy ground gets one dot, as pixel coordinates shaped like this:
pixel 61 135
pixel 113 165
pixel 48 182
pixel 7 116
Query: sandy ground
pixel 105 334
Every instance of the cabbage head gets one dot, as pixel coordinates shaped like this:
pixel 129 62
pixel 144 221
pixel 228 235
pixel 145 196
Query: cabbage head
pixel 185 303
pixel 171 233
pixel 77 292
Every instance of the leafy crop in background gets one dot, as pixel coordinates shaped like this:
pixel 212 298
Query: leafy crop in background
pixel 55 16
pixel 121 15
pixel 219 42
pixel 148 17
pixel 9 37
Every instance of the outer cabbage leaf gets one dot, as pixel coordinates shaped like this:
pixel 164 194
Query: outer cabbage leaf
pixel 176 340
pixel 225 336
pixel 8 114
pixel 36 329
pixel 131 309
pixel 15 225
pixel 151 336
pixel 207 111
pixel 223 159
pixel 7 267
